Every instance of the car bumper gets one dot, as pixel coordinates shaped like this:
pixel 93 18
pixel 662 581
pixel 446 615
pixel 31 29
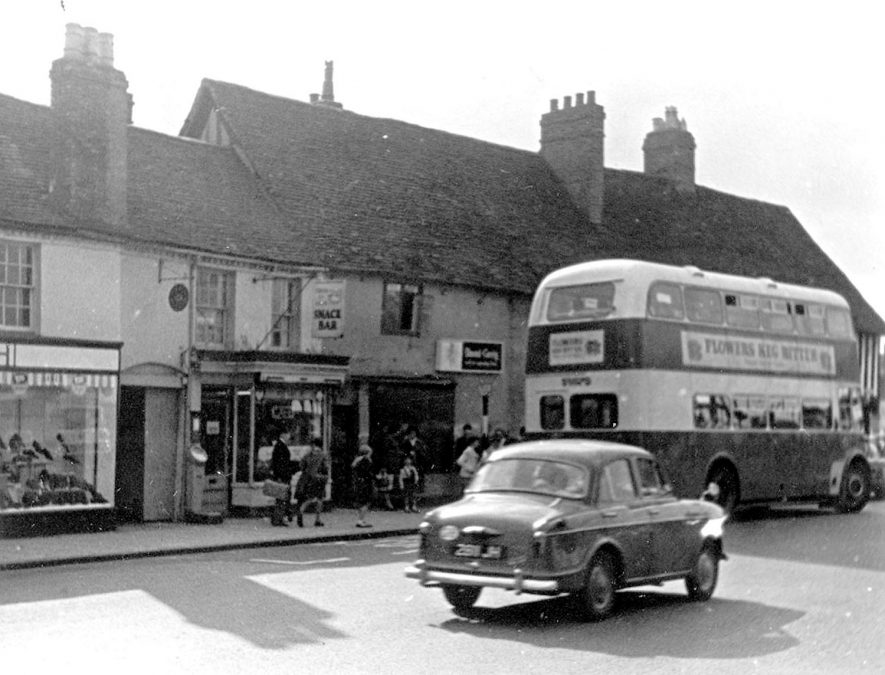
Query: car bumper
pixel 518 583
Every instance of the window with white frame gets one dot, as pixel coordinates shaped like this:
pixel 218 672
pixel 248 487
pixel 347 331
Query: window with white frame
pixel 401 309
pixel 18 267
pixel 286 313
pixel 214 307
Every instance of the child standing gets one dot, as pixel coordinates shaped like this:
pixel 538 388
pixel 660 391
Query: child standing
pixel 408 482
pixel 384 484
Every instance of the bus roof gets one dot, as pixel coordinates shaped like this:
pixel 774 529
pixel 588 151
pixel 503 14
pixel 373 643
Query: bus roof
pixel 641 274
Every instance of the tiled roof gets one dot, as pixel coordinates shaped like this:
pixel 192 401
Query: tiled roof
pixel 383 195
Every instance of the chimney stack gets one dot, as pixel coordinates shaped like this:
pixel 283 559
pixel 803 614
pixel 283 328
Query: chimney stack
pixel 327 99
pixel 93 109
pixel 669 150
pixel 572 144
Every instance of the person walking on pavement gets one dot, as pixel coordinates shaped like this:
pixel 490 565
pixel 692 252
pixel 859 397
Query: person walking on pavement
pixel 311 487
pixel 363 480
pixel 408 482
pixel 468 461
pixel 282 469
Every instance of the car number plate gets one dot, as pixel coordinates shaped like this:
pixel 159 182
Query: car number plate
pixel 479 551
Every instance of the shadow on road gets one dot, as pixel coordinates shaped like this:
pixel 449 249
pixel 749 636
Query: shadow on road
pixel 811 535
pixel 645 625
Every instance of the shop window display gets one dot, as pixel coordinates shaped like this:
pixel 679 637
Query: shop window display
pixel 57 440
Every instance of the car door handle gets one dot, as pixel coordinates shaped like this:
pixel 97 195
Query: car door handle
pixel 609 514
pixel 654 512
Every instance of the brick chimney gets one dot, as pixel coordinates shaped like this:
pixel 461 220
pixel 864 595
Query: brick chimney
pixel 669 150
pixel 327 99
pixel 572 144
pixel 93 108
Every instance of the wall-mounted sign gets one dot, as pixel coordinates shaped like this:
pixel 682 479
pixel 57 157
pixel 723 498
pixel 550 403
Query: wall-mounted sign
pixel 328 309
pixel 461 356
pixel 178 297
pixel 574 347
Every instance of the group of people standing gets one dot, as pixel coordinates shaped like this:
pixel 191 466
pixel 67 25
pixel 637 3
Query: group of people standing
pixel 310 488
pixel 471 449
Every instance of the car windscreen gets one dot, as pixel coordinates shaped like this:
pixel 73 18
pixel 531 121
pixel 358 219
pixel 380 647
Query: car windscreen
pixel 557 479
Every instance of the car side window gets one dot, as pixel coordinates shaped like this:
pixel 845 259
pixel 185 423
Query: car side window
pixel 616 483
pixel 650 479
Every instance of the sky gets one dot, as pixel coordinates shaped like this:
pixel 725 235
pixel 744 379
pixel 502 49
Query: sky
pixel 784 99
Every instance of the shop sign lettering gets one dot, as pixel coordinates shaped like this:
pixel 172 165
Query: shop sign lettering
pixel 328 310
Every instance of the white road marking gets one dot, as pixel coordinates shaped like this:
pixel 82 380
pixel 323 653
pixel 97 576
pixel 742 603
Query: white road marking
pixel 298 562
pixel 412 551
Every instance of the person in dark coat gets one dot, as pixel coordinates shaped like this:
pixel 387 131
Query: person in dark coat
pixel 311 487
pixel 363 479
pixel 281 470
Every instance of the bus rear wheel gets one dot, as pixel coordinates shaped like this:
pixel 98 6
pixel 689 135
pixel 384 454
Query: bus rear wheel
pixel 855 490
pixel 725 478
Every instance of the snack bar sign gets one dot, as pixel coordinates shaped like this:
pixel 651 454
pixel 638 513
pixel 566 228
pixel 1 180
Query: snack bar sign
pixel 328 309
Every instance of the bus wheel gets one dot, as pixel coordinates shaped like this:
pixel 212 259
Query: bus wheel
pixel 725 478
pixel 855 490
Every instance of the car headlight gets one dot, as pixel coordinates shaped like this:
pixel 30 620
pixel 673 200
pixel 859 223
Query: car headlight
pixel 449 533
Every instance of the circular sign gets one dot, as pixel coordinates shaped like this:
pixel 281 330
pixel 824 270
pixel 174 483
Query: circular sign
pixel 178 297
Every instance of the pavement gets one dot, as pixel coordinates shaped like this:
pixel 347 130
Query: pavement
pixel 142 540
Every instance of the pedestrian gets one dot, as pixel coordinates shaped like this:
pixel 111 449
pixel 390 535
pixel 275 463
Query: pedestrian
pixel 468 461
pixel 363 487
pixel 311 487
pixel 281 470
pixel 384 484
pixel 499 440
pixel 415 448
pixel 408 481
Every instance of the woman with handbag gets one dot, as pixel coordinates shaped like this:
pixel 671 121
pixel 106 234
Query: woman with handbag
pixel 363 481
pixel 311 487
pixel 282 468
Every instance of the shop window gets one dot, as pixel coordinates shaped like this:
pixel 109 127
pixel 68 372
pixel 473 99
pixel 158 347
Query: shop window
pixel 785 412
pixel 817 413
pixel 552 412
pixel 57 440
pixel 18 275
pixel 401 309
pixel 775 315
pixel 742 311
pixel 586 301
pixel 703 305
pixel 593 411
pixel 711 411
pixel 286 315
pixel 750 412
pixel 214 307
pixel 665 301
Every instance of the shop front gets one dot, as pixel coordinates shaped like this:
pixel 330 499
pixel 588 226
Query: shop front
pixel 58 428
pixel 246 400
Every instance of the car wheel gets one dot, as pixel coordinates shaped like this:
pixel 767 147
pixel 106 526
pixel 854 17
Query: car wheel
pixel 461 598
pixel 701 581
pixel 597 597
pixel 855 490
pixel 726 480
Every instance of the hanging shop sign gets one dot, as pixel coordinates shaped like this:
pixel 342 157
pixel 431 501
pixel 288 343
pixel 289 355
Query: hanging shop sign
pixel 460 356
pixel 328 309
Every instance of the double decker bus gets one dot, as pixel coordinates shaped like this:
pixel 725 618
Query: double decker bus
pixel 744 386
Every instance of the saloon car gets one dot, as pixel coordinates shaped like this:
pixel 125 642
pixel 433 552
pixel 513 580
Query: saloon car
pixel 578 517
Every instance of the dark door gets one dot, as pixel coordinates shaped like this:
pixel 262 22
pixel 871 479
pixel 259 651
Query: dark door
pixel 216 441
pixel 129 476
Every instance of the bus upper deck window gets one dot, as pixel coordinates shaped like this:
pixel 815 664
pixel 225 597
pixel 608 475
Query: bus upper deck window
pixel 703 305
pixel 586 301
pixel 552 412
pixel 665 301
pixel 775 315
pixel 838 322
pixel 741 311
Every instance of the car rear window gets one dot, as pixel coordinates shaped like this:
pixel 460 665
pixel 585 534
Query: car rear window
pixel 557 479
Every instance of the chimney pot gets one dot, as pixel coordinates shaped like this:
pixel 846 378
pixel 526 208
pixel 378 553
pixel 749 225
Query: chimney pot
pixel 314 98
pixel 579 99
pixel 75 40
pixel 591 97
pixel 554 104
pixel 566 101
pixel 105 49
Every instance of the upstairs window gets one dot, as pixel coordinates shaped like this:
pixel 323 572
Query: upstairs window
pixel 286 313
pixel 214 307
pixel 775 315
pixel 665 301
pixel 703 305
pixel 401 309
pixel 17 285
pixel 839 322
pixel 587 301
pixel 742 311
pixel 809 319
